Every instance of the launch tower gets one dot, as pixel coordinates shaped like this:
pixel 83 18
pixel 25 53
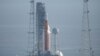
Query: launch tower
pixel 40 30
pixel 86 40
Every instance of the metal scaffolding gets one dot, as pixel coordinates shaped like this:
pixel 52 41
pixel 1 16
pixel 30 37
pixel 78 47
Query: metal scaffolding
pixel 86 45
pixel 32 43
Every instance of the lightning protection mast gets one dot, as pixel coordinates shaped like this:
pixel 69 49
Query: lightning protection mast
pixel 86 45
pixel 32 31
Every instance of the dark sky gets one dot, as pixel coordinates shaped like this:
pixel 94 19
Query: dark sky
pixel 64 14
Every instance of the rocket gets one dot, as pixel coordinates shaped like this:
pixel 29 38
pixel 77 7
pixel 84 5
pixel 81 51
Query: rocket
pixel 43 32
pixel 42 29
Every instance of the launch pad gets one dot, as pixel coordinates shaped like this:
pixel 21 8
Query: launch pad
pixel 41 30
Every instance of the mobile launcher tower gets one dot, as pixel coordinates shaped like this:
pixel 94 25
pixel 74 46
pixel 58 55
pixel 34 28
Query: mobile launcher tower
pixel 42 37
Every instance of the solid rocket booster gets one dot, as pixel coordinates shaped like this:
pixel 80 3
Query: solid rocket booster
pixel 43 29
